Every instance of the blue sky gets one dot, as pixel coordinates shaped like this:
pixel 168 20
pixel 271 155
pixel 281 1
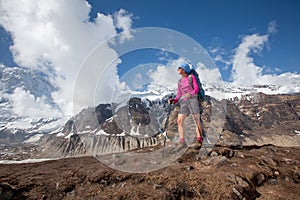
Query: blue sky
pixel 215 24
pixel 251 41
pixel 221 24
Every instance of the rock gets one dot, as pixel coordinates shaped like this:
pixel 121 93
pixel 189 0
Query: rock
pixel 238 194
pixel 6 191
pixel 216 161
pixel 240 155
pixel 260 178
pixel 213 153
pixel 189 168
pixel 157 186
pixel 272 181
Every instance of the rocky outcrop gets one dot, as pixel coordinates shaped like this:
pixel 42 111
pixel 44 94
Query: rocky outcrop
pixel 253 120
pixel 88 119
pixel 91 144
pixel 95 131
pixel 259 119
pixel 103 112
pixel 138 111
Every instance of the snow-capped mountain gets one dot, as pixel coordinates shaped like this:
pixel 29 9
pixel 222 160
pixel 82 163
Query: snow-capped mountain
pixel 27 107
pixel 24 96
pixel 34 81
pixel 134 122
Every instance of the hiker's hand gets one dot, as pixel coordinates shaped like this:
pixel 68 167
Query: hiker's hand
pixel 187 95
pixel 170 101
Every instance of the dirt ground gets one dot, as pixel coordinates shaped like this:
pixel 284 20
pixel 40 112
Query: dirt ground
pixel 267 172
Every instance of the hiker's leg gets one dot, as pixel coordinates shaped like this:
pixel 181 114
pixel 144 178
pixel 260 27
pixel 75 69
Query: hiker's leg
pixel 196 118
pixel 195 111
pixel 181 125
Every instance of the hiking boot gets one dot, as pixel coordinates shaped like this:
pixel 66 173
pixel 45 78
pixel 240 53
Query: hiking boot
pixel 180 146
pixel 196 145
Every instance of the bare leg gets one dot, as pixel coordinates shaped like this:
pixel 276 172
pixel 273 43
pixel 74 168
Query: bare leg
pixel 181 125
pixel 196 118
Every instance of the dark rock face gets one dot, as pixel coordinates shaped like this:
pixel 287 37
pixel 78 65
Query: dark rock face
pixel 265 119
pixel 103 112
pixel 261 111
pixel 111 127
pixel 237 121
pixel 138 111
pixel 140 117
pixel 267 110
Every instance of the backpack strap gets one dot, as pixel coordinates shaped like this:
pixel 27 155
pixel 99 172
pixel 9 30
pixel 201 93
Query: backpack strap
pixel 179 83
pixel 191 80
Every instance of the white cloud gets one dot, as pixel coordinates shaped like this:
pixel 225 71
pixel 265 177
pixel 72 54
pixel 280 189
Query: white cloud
pixel 124 22
pixel 165 75
pixel 272 27
pixel 244 70
pixel 56 36
pixel 25 104
pixel 246 73
pixel 168 76
pixel 209 76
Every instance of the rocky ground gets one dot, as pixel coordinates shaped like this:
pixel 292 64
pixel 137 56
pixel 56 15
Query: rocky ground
pixel 267 172
pixel 257 157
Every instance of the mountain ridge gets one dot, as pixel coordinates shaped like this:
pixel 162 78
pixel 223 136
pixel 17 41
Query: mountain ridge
pixel 145 118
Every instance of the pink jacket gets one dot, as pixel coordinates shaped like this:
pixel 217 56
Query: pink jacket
pixel 185 87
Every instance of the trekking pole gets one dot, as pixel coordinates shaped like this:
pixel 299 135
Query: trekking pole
pixel 166 124
pixel 164 128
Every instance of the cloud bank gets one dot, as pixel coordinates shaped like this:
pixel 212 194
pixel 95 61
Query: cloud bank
pixel 246 73
pixel 244 70
pixel 56 36
pixel 27 105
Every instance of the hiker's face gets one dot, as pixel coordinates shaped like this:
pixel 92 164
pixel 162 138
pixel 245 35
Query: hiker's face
pixel 180 70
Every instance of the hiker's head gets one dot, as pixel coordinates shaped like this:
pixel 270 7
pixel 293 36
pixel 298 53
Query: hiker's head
pixel 186 68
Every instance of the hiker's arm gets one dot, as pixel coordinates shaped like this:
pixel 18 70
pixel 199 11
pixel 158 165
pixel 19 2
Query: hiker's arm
pixel 195 84
pixel 179 94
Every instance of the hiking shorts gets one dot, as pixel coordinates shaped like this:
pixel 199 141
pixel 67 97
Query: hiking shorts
pixel 190 106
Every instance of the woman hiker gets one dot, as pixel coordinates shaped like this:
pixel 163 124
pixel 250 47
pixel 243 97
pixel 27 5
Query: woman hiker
pixel 187 98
